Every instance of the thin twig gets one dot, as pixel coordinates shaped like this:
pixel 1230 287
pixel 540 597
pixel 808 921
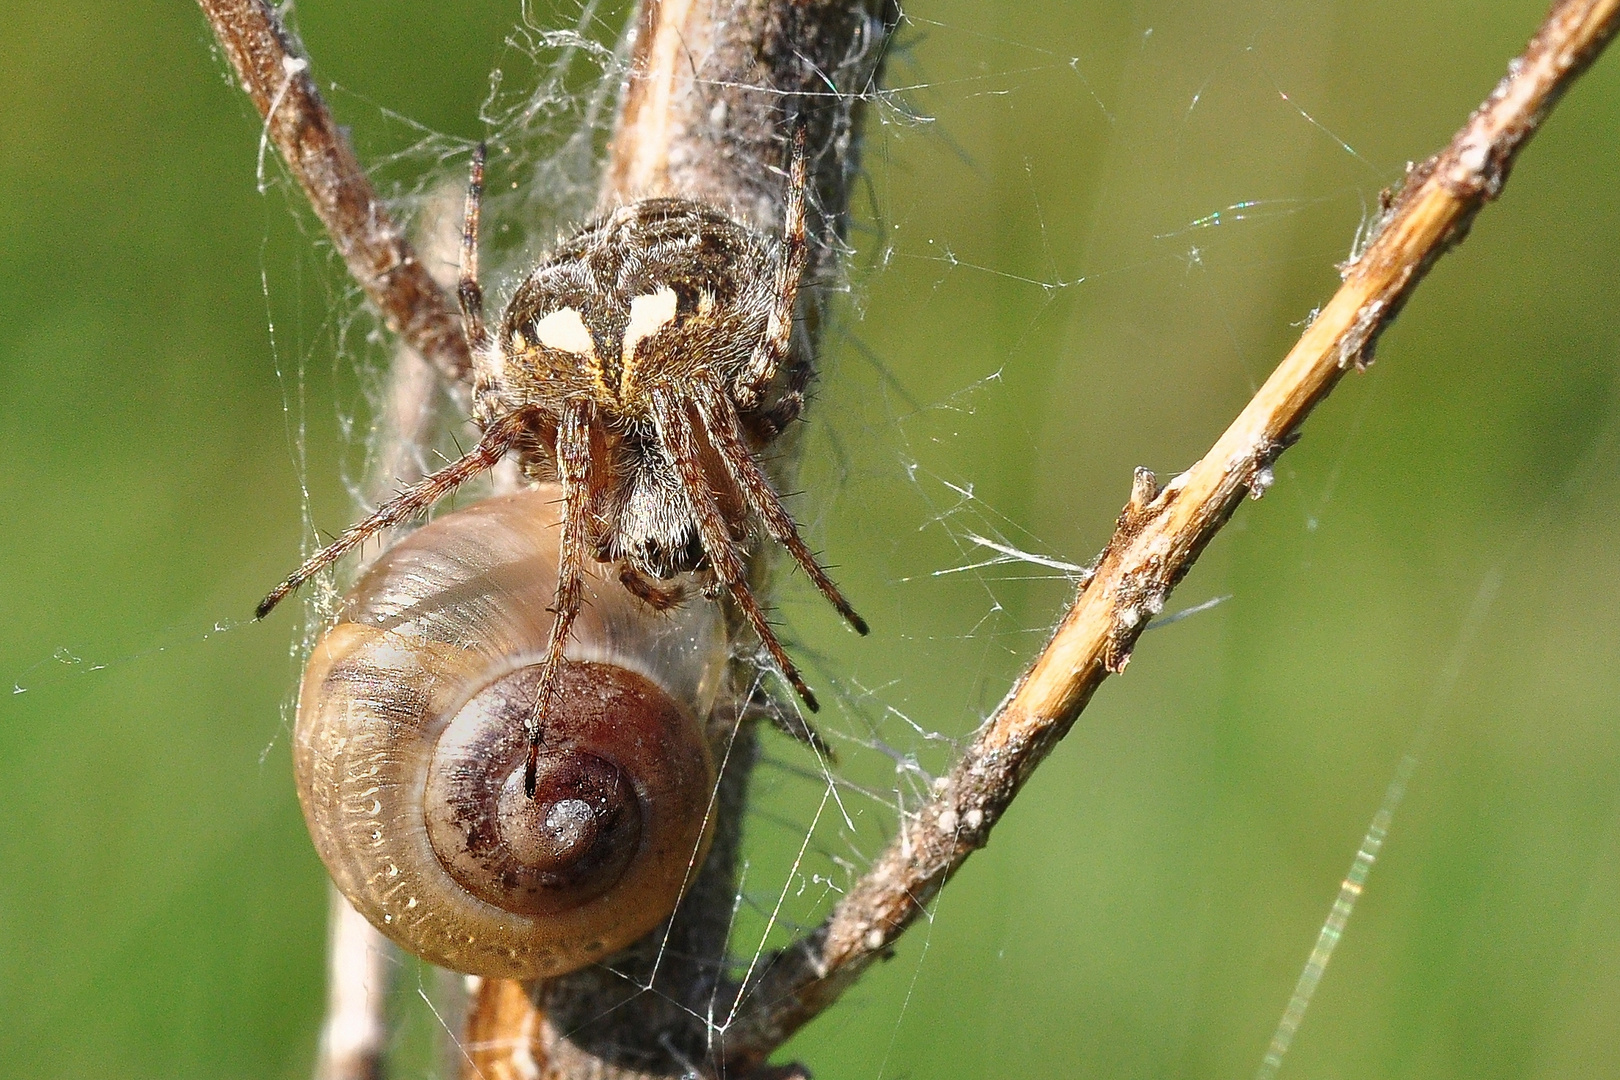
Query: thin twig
pixel 502 1033
pixel 359 962
pixel 275 75
pixel 1160 534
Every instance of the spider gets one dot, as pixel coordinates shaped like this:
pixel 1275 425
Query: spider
pixel 636 365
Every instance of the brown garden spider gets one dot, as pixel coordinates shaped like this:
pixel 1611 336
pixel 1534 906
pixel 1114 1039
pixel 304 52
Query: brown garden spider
pixel 641 365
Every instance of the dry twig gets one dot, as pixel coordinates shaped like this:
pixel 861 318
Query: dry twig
pixel 1159 535
pixel 275 75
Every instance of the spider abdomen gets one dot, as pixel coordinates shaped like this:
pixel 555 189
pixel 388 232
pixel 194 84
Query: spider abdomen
pixel 654 294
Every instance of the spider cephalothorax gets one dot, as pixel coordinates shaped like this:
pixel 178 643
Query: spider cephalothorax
pixel 642 307
pixel 640 364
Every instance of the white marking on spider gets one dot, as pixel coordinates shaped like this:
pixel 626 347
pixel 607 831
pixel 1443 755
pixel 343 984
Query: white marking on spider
pixel 648 315
pixel 565 330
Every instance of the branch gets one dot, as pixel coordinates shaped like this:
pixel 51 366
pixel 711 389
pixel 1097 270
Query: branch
pixel 359 963
pixel 1161 533
pixel 716 88
pixel 268 62
pixel 714 91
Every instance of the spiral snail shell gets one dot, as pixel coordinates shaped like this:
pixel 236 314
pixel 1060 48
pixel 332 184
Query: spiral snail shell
pixel 410 748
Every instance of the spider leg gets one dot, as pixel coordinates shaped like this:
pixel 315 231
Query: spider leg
pixel 654 596
pixel 725 433
pixel 498 438
pixel 468 291
pixel 795 727
pixel 679 443
pixel 775 420
pixel 773 347
pixel 573 470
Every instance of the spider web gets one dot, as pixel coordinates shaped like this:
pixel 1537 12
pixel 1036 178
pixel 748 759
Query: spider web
pixel 1080 243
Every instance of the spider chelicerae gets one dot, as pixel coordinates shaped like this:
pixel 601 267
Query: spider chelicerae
pixel 639 366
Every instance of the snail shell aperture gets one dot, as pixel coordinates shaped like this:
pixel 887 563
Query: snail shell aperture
pixel 410 749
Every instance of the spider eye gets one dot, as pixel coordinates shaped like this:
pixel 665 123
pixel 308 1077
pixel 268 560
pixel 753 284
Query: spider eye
pixel 648 315
pixel 565 330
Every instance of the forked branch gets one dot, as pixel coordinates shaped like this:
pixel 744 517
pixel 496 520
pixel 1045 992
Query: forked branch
pixel 275 75
pixel 669 139
pixel 1159 535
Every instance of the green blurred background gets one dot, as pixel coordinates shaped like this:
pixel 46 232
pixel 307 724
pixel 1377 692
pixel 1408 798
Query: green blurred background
pixel 1040 302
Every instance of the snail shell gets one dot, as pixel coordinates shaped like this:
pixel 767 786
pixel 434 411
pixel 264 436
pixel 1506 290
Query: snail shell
pixel 410 746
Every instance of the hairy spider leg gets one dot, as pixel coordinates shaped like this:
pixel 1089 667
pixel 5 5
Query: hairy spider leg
pixel 468 291
pixel 724 430
pixel 417 499
pixel 573 470
pixel 498 438
pixel 773 421
pixel 680 446
pixel 773 347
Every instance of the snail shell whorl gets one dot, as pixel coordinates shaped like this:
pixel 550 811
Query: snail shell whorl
pixel 410 746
